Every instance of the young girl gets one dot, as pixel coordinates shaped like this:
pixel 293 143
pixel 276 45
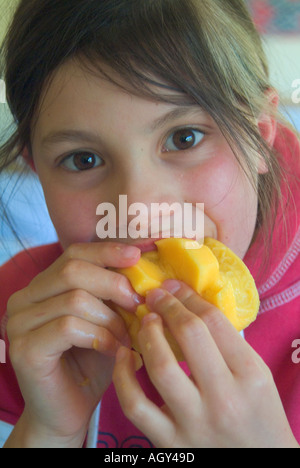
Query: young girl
pixel 164 101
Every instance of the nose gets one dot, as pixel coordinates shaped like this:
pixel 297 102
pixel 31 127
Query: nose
pixel 146 195
pixel 146 182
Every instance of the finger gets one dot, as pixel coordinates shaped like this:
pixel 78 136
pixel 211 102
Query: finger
pixel 194 338
pixel 141 411
pixel 234 349
pixel 164 371
pixel 77 303
pixel 103 254
pixel 39 351
pixel 71 273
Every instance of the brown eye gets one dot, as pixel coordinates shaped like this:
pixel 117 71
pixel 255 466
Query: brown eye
pixel 183 139
pixel 82 161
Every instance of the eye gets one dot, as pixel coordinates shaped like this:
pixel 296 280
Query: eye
pixel 82 161
pixel 183 139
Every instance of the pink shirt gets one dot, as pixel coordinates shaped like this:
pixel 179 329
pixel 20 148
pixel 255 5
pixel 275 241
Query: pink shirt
pixel 278 325
pixel 272 335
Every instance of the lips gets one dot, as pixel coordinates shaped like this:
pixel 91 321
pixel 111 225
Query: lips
pixel 148 245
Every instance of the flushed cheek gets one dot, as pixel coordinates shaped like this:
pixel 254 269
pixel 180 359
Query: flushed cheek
pixel 230 201
pixel 74 218
pixel 210 183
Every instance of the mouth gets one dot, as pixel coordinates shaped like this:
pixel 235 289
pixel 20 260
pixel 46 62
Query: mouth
pixel 148 245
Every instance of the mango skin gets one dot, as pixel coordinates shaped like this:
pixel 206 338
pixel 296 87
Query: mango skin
pixel 212 270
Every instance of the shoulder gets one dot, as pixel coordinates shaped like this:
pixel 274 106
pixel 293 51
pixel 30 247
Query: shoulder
pixel 28 263
pixel 286 228
pixel 287 144
pixel 18 272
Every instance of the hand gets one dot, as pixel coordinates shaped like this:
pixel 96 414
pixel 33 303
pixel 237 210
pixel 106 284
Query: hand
pixel 230 399
pixel 64 337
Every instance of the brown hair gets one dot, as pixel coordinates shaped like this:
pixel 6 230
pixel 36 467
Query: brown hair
pixel 207 50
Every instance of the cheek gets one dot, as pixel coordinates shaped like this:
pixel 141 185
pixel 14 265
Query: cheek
pixel 211 182
pixel 73 216
pixel 229 199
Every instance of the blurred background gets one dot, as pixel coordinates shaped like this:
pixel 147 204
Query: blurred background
pixel 279 23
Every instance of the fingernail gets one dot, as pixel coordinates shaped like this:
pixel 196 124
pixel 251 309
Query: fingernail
pixel 138 299
pixel 155 295
pixel 151 317
pixel 127 251
pixel 172 286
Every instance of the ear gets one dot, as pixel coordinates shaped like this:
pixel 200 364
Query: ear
pixel 26 154
pixel 267 123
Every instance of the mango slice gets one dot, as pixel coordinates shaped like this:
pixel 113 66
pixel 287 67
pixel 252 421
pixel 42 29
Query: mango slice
pixel 212 270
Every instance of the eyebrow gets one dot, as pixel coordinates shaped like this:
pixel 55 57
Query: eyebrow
pixel 59 136
pixel 176 114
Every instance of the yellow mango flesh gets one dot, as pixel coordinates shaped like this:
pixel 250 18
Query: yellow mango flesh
pixel 212 270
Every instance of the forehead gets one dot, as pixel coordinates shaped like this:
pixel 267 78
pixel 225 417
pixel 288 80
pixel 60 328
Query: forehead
pixel 77 97
pixel 80 73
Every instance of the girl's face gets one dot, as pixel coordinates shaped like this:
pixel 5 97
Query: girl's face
pixel 93 141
